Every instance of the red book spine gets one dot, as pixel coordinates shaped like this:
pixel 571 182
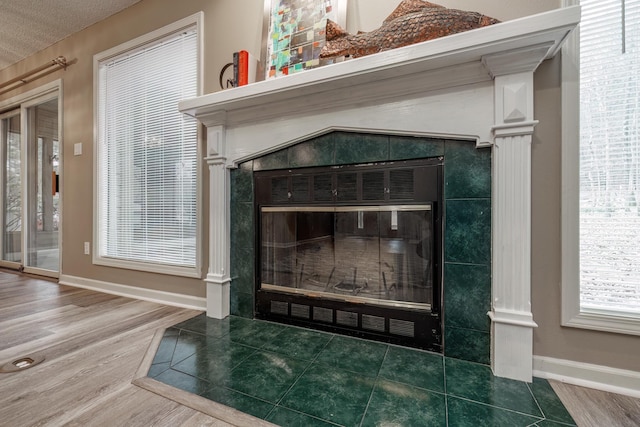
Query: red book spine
pixel 243 68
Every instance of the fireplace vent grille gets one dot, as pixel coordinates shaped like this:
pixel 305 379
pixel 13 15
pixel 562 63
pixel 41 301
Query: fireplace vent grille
pixel 300 188
pixel 322 188
pixel 347 318
pixel 280 307
pixel 347 187
pixel 401 184
pixel 401 327
pixel 321 314
pixel 373 323
pixel 373 186
pixel 280 190
pixel 299 310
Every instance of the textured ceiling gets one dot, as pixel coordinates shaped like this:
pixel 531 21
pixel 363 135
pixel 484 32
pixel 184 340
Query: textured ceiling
pixel 28 26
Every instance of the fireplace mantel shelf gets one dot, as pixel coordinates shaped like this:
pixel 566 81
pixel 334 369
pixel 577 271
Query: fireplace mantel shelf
pixel 478 55
pixel 475 86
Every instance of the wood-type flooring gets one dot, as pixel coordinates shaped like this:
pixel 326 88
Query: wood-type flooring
pixel 94 345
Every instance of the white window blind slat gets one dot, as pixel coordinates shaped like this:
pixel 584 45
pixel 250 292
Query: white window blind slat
pixel 610 157
pixel 147 153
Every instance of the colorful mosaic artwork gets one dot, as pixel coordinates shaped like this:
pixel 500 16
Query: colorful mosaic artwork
pixel 296 35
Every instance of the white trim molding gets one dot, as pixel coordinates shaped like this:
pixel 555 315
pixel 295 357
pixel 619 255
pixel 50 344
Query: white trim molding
pixel 511 318
pixel 218 278
pixel 135 292
pixel 598 377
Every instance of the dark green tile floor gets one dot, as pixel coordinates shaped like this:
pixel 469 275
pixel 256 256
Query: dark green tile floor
pixel 299 377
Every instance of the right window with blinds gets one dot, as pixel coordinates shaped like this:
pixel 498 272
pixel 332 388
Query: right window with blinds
pixel 606 58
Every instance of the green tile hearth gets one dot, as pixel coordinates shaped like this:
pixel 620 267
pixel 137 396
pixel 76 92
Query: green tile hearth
pixel 475 382
pixel 403 405
pixel 334 395
pixel 292 376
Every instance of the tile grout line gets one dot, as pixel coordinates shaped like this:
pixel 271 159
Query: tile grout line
pixel 187 331
pixel 446 394
pixel 446 410
pixel 210 384
pixel 255 351
pixel 170 367
pixel 545 417
pixel 173 352
pixel 157 349
pixel 173 363
pixel 242 393
pixel 375 383
pixel 535 399
pixel 477 402
pixel 296 382
pixel 302 413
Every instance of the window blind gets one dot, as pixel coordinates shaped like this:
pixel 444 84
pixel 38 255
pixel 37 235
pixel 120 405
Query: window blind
pixel 147 149
pixel 610 157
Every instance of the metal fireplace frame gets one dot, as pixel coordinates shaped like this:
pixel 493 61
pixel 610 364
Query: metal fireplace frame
pixel 398 322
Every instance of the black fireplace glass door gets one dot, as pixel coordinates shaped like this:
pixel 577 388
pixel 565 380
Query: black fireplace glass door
pixel 371 254
pixel 406 255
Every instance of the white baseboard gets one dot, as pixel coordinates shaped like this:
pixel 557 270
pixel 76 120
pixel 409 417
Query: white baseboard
pixel 161 297
pixel 599 377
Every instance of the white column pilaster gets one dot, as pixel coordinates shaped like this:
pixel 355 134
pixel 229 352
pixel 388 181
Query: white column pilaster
pixel 511 319
pixel 218 279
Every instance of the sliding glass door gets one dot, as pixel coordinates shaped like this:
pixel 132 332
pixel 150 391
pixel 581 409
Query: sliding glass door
pixel 42 194
pixel 12 187
pixel 31 169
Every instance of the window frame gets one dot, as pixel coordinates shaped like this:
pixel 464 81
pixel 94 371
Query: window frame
pixel 572 315
pixel 97 257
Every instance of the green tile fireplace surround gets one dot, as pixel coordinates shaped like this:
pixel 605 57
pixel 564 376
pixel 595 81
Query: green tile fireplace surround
pixel 467 230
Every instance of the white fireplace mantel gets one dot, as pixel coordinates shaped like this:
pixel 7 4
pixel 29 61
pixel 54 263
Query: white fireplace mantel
pixel 476 85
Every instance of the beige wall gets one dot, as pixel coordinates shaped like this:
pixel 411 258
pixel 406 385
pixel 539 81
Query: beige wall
pixel 236 24
pixel 229 25
pixel 550 339
pixel 366 15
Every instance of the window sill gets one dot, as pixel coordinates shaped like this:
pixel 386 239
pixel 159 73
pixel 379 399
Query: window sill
pixel 172 270
pixel 609 322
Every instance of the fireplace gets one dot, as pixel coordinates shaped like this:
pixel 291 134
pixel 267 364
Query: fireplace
pixel 353 248
pixel 439 188
pixel 468 97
